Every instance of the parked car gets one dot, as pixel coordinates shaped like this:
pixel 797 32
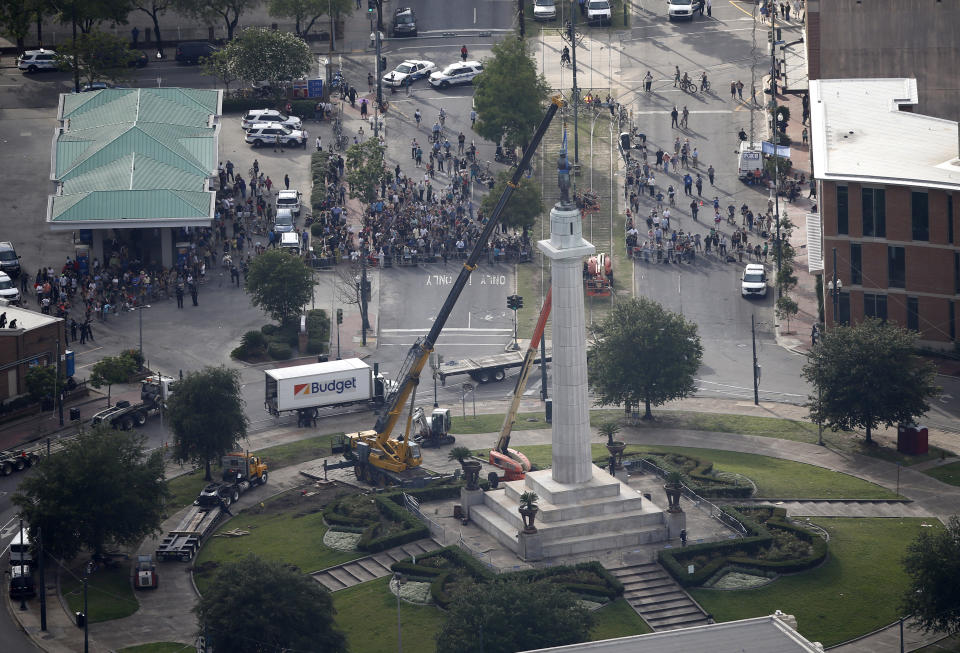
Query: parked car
pixel 682 8
pixel 598 11
pixel 9 260
pixel 461 72
pixel 191 52
pixel 544 10
pixel 139 59
pixel 259 116
pixel 413 68
pixel 753 283
pixel 289 199
pixel 33 61
pixel 8 289
pixel 404 22
pixel 96 86
pixel 266 134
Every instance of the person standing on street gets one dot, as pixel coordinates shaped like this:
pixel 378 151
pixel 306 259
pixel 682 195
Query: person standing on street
pixel 710 174
pixel 463 52
pixel 648 81
pixel 277 143
pixel 193 293
pixel 473 117
pixel 319 143
pixel 673 118
pixel 179 295
pixel 709 8
pixel 286 181
pixel 370 82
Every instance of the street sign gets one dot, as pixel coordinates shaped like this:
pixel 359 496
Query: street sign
pixel 314 88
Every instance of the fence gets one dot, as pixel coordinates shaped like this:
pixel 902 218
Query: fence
pixel 703 504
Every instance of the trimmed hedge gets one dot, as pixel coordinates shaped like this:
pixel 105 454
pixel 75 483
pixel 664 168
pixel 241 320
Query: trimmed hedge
pixel 699 478
pixel 279 350
pixel 737 552
pixel 373 542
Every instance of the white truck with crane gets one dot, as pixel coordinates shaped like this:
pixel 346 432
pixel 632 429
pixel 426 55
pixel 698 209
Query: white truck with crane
pixel 241 472
pixel 378 456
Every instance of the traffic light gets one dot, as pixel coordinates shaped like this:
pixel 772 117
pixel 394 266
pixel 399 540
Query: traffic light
pixel 371 6
pixel 383 64
pixel 339 316
pixel 570 31
pixel 514 302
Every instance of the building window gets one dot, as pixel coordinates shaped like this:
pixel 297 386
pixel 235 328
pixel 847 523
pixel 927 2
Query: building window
pixel 950 219
pixel 874 212
pixel 843 206
pixel 896 267
pixel 843 308
pixel 875 306
pixel 856 263
pixel 920 216
pixel 913 313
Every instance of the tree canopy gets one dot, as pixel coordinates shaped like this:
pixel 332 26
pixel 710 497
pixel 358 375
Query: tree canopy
pixel 510 94
pixel 513 615
pixel 933 563
pixel 847 365
pixel 256 605
pixel 99 56
pixel 206 415
pixel 306 13
pixel 525 205
pixel 259 54
pixel 16 18
pixel 280 284
pixel 227 10
pixel 642 352
pixel 101 489
pixel 88 13
pixel 365 170
pixel 112 369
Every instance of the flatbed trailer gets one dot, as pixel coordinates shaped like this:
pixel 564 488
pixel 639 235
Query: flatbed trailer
pixel 27 455
pixel 486 369
pixel 183 542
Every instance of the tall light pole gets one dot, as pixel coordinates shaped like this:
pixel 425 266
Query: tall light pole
pixel 756 368
pixel 333 38
pixel 572 33
pixel 400 582
pixel 776 137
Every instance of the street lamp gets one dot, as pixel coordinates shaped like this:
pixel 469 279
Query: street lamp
pixel 400 581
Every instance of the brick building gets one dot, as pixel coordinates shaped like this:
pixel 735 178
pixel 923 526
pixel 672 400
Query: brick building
pixel 889 191
pixel 33 342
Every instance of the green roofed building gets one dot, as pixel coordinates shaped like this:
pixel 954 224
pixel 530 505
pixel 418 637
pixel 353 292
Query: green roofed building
pixel 135 159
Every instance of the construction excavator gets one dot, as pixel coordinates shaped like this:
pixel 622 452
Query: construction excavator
pixel 378 457
pixel 513 463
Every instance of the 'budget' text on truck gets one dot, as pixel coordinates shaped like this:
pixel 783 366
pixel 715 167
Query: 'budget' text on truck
pixel 305 388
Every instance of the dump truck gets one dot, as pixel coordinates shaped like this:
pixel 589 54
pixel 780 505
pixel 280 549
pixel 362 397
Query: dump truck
pixel 241 472
pixel 305 388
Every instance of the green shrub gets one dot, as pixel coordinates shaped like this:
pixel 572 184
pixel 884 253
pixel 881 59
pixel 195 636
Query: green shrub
pixel 316 230
pixel 316 346
pixel 318 325
pixel 253 341
pixel 269 329
pixel 135 356
pixel 242 105
pixel 279 351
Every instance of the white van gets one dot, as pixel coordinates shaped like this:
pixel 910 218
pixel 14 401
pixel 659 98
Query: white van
pixel 290 242
pixel 20 553
pixel 749 160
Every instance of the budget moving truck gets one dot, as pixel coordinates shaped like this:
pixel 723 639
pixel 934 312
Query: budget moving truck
pixel 319 385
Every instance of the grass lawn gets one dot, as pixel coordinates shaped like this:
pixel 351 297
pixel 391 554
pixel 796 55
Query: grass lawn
pixel 109 592
pixel 854 592
pixel 617 619
pixel 949 473
pixel 774 478
pixel 159 647
pixel 367 613
pixel 289 530
pixel 184 489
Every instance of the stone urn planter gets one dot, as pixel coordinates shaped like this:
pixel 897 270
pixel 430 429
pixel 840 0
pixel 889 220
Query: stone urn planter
pixel 673 488
pixel 471 473
pixel 616 452
pixel 528 511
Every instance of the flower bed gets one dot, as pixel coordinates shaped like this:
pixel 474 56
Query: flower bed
pixel 340 540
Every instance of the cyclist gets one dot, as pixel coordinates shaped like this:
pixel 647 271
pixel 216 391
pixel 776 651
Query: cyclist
pixel 443 116
pixel 704 84
pixel 685 81
pixel 417 117
pixel 565 56
pixel 436 132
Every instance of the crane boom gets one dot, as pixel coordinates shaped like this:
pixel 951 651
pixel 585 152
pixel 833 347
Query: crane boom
pixel 504 442
pixel 419 353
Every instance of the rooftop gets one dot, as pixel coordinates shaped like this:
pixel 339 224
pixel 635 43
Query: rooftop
pixel 26 319
pixel 863 130
pixel 759 635
pixel 135 157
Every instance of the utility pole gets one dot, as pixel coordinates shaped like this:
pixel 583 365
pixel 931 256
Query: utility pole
pixel 523 29
pixel 43 585
pixel 364 284
pixel 376 105
pixel 776 137
pixel 756 368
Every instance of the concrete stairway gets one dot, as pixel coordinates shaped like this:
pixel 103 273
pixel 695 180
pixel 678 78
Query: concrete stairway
pixel 656 597
pixel 371 567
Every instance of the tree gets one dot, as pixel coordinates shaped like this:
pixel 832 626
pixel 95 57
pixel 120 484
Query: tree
pixel 16 17
pixel 503 111
pixel 102 488
pixel 88 13
pixel 786 308
pixel 265 55
pixel 154 8
pixel 98 56
pixel 110 370
pixel 292 611
pixel 206 416
pixel 641 352
pixel 305 13
pixel 209 10
pixel 526 202
pixel 280 284
pixel 365 170
pixel 868 375
pixel 41 381
pixel 513 615
pixel 933 563
pixel 219 64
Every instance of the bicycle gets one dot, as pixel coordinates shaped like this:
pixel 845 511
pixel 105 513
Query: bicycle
pixel 442 118
pixel 688 85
